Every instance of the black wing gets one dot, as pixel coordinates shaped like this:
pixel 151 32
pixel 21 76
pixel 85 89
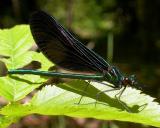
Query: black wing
pixel 59 46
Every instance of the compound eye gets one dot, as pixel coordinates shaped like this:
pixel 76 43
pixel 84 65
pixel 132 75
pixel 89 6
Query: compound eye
pixel 133 80
pixel 133 76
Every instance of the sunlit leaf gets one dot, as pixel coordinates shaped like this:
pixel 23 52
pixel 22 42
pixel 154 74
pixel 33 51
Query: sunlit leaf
pixel 52 100
pixel 15 44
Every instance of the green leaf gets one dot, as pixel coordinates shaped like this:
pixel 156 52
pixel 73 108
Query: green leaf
pixel 15 39
pixel 62 99
pixel 15 44
pixel 52 100
pixel 5 121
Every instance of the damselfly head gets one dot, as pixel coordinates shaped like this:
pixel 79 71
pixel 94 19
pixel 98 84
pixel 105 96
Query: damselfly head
pixel 132 81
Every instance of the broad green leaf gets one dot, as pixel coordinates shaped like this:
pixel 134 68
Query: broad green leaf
pixel 52 100
pixel 62 99
pixel 15 39
pixel 15 44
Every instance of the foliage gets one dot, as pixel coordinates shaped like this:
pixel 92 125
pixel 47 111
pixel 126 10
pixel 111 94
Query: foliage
pixel 89 23
pixel 61 99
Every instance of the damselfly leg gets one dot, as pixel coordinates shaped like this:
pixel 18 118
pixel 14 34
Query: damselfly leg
pixel 117 96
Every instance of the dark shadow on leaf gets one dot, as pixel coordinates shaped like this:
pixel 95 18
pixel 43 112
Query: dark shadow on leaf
pixel 77 86
pixel 3 69
pixel 32 65
pixel 3 56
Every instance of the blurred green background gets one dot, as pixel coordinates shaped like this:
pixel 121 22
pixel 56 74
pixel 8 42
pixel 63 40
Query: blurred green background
pixel 126 33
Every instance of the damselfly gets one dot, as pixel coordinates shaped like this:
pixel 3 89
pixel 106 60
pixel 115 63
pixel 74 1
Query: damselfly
pixel 60 47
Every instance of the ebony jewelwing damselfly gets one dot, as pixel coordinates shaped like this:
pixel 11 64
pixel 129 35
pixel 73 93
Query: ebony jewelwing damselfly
pixel 60 47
